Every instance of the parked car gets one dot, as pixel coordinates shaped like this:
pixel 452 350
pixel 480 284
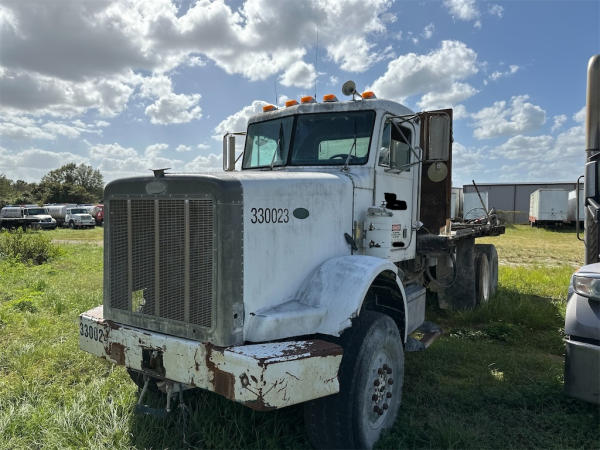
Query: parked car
pixel 582 329
pixel 79 217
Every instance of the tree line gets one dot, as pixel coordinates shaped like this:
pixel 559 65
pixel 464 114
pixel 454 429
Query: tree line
pixel 70 183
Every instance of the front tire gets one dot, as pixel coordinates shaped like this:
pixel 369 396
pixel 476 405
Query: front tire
pixel 71 225
pixel 371 377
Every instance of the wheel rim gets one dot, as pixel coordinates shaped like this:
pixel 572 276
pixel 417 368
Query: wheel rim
pixel 380 391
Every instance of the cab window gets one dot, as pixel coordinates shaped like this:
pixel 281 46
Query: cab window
pixel 394 151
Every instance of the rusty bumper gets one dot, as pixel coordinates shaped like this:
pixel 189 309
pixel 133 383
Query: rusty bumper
pixel 261 376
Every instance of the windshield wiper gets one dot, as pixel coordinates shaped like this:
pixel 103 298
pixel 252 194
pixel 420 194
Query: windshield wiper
pixel 279 141
pixel 353 146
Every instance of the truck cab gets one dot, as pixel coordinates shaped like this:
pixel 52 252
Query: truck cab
pixel 272 284
pixel 79 217
pixel 26 216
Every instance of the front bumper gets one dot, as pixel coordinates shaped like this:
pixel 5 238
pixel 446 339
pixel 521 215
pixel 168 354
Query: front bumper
pixel 47 225
pixel 261 376
pixel 582 369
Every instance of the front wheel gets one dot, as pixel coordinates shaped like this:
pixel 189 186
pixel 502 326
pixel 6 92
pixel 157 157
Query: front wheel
pixel 371 377
pixel 71 225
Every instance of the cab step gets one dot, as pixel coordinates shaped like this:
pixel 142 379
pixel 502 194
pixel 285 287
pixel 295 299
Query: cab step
pixel 430 331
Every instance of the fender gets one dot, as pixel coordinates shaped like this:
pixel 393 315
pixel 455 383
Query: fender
pixel 326 302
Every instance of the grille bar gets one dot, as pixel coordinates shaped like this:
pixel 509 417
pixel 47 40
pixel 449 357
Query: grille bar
pixel 161 260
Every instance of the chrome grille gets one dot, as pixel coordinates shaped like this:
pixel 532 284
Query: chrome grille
pixel 161 258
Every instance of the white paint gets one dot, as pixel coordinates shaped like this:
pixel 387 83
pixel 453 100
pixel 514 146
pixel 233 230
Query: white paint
pixel 272 375
pixel 325 303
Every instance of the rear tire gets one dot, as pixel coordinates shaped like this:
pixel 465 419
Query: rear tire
pixel 371 376
pixel 492 254
pixel 482 279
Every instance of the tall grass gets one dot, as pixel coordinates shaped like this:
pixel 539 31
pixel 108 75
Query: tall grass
pixel 493 380
pixel 26 246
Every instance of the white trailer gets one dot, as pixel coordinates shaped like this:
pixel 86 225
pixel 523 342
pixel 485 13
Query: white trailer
pixel 456 203
pixel 472 207
pixel 301 276
pixel 575 211
pixel 548 207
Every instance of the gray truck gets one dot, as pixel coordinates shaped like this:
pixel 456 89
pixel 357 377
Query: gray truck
pixel 582 321
pixel 300 278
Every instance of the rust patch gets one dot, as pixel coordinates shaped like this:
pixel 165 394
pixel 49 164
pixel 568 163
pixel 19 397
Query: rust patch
pixel 307 349
pixel 117 353
pixel 112 325
pixel 223 382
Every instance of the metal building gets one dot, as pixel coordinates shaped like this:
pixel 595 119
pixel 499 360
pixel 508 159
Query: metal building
pixel 511 200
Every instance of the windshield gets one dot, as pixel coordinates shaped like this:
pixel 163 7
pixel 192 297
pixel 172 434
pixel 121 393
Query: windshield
pixel 35 211
pixel 79 211
pixel 310 139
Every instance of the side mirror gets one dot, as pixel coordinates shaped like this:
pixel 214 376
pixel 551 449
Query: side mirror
pixel 437 135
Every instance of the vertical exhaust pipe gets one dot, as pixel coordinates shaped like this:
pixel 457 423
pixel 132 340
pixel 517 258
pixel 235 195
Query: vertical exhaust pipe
pixel 229 152
pixel 592 150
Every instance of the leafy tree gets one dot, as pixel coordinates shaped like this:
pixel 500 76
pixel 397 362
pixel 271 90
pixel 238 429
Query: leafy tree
pixel 72 183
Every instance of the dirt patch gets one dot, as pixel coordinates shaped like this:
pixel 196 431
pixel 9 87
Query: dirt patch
pixel 77 241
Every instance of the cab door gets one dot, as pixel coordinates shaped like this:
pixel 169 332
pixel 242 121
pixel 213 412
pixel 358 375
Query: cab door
pixel 396 189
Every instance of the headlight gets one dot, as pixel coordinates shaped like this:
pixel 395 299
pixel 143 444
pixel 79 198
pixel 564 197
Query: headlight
pixel 586 286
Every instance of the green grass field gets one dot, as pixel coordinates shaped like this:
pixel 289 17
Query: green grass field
pixel 493 380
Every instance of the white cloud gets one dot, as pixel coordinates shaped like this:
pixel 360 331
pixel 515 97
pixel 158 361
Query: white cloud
pixel 203 146
pixel 152 151
pixel 210 163
pixel 299 74
pixel 457 93
pixel 33 163
pixel 23 127
pixel 174 108
pixel 183 148
pixel 79 56
pixel 496 75
pixel 428 31
pixel 112 151
pixel 465 10
pixel 502 119
pixel 542 157
pixel 435 72
pixel 168 107
pixel 579 116
pixel 559 121
pixel 239 120
pixel 496 10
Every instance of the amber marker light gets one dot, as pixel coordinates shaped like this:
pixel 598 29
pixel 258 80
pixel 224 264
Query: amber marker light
pixel 330 98
pixel 291 103
pixel 268 108
pixel 307 99
pixel 368 94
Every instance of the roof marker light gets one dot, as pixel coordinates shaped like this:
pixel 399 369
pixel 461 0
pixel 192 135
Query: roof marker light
pixel 330 98
pixel 291 103
pixel 268 108
pixel 307 99
pixel 368 94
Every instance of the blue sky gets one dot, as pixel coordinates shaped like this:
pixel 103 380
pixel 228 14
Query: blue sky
pixel 127 85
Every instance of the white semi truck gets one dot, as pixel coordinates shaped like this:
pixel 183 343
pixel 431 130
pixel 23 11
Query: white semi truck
pixel 300 277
